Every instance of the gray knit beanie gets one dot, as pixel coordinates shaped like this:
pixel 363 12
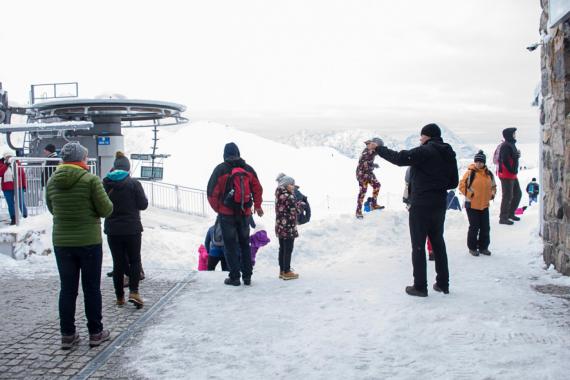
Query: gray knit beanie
pixel 284 180
pixel 73 152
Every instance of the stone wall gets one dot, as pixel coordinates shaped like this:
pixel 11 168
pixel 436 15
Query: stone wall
pixel 555 160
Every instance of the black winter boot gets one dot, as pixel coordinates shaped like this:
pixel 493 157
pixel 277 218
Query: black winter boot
pixel 229 281
pixel 438 289
pixel 412 291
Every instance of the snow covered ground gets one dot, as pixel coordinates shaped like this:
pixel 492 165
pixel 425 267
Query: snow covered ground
pixel 347 316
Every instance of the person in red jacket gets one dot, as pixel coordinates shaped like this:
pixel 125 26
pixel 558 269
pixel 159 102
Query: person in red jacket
pixel 233 189
pixel 507 173
pixel 8 186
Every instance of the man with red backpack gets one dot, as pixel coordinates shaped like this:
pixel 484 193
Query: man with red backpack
pixel 233 189
pixel 507 169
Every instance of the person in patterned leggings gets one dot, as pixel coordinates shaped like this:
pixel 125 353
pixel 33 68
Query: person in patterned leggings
pixel 365 175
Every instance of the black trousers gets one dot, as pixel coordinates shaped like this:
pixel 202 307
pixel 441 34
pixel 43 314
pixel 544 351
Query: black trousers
pixel 71 261
pixel 126 252
pixel 512 194
pixel 235 231
pixel 428 221
pixel 214 260
pixel 285 252
pixel 478 234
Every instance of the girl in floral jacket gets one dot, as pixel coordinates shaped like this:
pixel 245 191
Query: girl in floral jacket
pixel 287 208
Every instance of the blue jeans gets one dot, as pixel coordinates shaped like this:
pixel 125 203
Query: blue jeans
pixel 532 198
pixel 71 261
pixel 10 197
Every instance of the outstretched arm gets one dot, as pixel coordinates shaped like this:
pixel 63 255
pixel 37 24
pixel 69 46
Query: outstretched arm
pixel 403 157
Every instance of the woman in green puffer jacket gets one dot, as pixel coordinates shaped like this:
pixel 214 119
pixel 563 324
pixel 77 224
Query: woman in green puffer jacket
pixel 77 200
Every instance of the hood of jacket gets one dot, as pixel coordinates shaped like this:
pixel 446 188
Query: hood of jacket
pixel 508 135
pixel 117 175
pixel 259 239
pixel 444 149
pixel 473 167
pixel 238 163
pixel 66 176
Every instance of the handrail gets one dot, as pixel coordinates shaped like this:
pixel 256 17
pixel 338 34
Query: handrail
pixel 184 199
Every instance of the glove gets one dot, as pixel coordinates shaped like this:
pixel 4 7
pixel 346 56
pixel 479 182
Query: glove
pixel 376 166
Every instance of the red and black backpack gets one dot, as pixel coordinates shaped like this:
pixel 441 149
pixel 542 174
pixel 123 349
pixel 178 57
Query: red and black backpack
pixel 237 194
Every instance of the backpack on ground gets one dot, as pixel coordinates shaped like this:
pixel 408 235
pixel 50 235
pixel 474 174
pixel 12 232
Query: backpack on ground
pixel 217 238
pixel 237 194
pixel 497 156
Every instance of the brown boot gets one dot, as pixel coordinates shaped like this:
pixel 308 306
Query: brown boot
pixel 290 275
pixel 281 274
pixel 120 301
pixel 136 300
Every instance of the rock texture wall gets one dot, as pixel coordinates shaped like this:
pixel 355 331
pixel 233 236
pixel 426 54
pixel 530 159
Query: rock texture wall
pixel 555 124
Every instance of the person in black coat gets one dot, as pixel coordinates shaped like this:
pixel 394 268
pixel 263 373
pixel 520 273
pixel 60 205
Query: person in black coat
pixel 50 166
pixel 124 228
pixel 508 169
pixel 433 171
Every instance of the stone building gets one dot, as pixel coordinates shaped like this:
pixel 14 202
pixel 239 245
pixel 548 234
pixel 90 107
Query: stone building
pixel 555 132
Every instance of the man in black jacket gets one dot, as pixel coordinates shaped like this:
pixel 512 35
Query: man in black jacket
pixel 433 171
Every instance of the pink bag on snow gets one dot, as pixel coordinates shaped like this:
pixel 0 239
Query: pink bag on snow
pixel 202 258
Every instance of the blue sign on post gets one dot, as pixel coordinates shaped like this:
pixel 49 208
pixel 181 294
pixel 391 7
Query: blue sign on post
pixel 103 141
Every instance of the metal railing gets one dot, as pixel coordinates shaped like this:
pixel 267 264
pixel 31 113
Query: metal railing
pixel 29 192
pixel 37 170
pixel 185 199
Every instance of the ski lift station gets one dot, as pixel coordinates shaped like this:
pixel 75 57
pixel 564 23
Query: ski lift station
pixel 57 115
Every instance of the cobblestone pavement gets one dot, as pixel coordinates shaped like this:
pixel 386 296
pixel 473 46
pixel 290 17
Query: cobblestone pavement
pixel 30 327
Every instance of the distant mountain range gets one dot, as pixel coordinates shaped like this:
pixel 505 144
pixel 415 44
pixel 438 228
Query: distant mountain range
pixel 351 142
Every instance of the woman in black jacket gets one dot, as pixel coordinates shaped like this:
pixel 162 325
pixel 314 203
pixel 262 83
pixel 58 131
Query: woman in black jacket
pixel 124 228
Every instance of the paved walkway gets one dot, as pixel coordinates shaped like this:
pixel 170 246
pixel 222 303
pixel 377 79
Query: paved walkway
pixel 30 329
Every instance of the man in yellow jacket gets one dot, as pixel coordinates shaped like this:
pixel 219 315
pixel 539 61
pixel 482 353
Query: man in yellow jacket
pixel 479 187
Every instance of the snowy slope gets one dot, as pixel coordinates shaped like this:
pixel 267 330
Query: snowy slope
pixel 325 176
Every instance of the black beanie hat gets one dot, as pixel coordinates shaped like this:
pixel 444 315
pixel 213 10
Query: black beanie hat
pixel 431 130
pixel 50 148
pixel 231 152
pixel 480 157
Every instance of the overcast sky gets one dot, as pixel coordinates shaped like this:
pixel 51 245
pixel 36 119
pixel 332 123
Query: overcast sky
pixel 280 66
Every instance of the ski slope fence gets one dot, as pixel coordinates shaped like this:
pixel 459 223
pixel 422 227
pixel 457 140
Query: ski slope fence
pixel 185 200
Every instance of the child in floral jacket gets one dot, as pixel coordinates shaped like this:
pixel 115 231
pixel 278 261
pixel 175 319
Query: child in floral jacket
pixel 287 208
